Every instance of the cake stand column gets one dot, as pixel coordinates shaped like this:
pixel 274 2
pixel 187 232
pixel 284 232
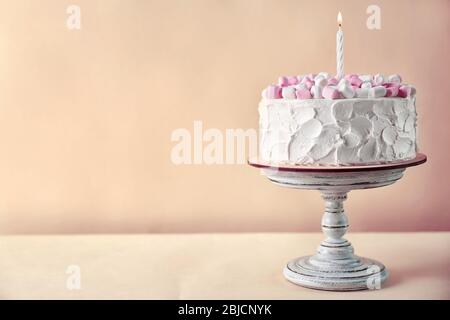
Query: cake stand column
pixel 335 266
pixel 334 226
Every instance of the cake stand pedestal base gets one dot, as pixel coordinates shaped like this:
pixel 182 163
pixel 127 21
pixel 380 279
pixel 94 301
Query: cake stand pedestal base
pixel 335 266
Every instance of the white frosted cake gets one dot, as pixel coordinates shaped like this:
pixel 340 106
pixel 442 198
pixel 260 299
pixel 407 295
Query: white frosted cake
pixel 317 120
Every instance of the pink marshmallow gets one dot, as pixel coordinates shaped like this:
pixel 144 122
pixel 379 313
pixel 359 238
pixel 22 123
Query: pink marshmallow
pixel 330 93
pixel 306 78
pixel 404 91
pixel 273 92
pixel 350 76
pixel 309 84
pixel 396 86
pixel 333 81
pixel 283 81
pixel 292 81
pixel 392 91
pixel 355 81
pixel 390 84
pixel 303 94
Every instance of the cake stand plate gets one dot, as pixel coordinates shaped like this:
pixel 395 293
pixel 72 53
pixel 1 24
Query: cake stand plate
pixel 335 266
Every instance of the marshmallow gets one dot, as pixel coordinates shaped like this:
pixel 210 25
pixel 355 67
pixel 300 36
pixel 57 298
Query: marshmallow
pixel 283 81
pixel 303 94
pixel 349 76
pixel 394 87
pixel 333 81
pixel 405 91
pixel 316 92
pixel 392 91
pixel 395 78
pixel 264 93
pixel 326 75
pixel 301 86
pixel 288 93
pixel 272 92
pixel 292 81
pixel 323 85
pixel 366 77
pixel 306 78
pixel 309 84
pixel 362 92
pixel 343 82
pixel 378 79
pixel 366 84
pixel 346 90
pixel 321 82
pixel 377 92
pixel 330 93
pixel 355 81
pixel 318 77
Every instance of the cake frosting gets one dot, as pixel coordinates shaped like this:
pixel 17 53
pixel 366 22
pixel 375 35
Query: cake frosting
pixel 343 129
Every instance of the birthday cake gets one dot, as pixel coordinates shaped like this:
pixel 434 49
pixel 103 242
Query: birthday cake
pixel 321 120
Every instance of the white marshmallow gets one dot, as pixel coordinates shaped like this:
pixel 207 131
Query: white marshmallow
pixel 316 92
pixel 318 77
pixel 377 92
pixel 321 82
pixel 346 90
pixel 366 84
pixel 288 93
pixel 343 82
pixel 362 92
pixel 326 75
pixel 395 78
pixel 379 79
pixel 366 77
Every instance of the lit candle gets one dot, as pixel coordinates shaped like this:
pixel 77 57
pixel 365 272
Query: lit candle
pixel 340 48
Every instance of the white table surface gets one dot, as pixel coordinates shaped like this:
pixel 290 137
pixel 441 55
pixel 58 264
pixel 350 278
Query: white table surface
pixel 210 266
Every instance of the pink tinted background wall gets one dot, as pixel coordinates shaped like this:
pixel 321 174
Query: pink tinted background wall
pixel 86 116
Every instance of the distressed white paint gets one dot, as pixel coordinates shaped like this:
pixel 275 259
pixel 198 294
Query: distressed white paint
pixel 335 266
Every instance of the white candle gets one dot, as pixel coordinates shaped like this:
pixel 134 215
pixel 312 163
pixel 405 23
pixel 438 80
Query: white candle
pixel 340 48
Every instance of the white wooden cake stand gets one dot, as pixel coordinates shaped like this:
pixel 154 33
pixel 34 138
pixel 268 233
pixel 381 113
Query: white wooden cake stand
pixel 334 266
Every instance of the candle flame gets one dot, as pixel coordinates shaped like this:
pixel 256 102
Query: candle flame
pixel 339 19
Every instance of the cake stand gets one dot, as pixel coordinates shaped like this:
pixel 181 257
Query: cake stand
pixel 335 267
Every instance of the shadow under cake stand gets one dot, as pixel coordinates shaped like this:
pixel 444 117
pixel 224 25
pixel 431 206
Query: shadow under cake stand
pixel 335 266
